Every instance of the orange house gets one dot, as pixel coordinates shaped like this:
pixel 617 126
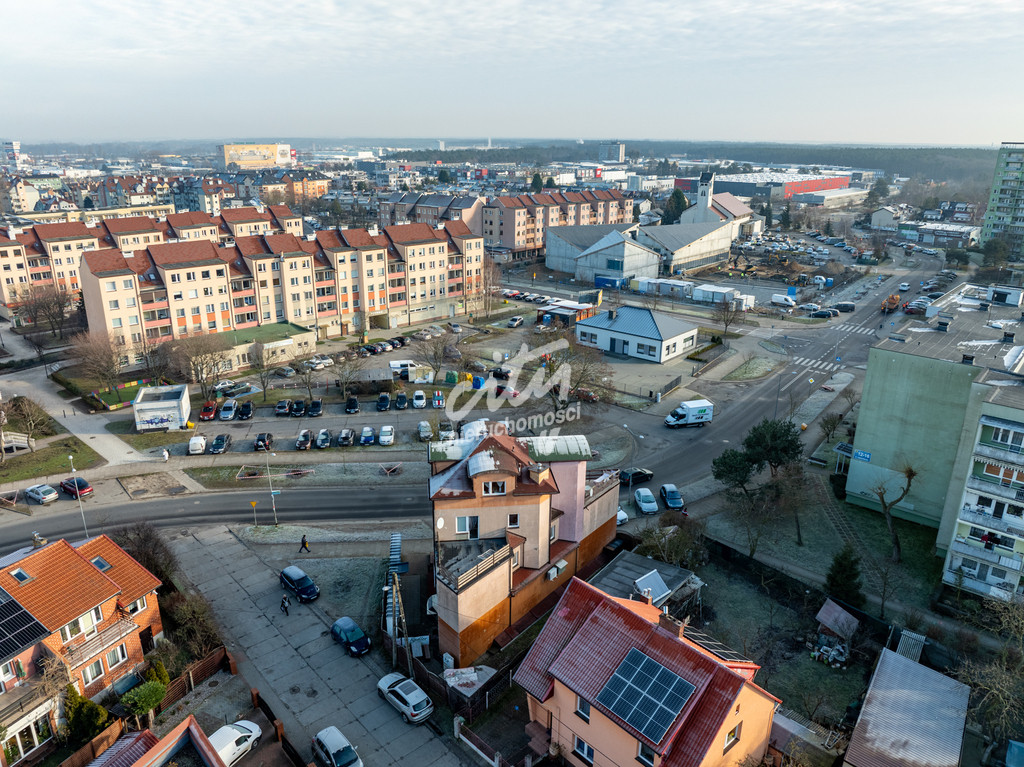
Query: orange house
pixel 611 682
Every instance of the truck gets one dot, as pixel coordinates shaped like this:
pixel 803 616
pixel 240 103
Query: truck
pixel 891 304
pixel 694 412
pixel 781 299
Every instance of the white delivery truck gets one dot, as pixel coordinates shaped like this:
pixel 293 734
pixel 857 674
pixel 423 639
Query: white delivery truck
pixel 694 412
pixel 781 299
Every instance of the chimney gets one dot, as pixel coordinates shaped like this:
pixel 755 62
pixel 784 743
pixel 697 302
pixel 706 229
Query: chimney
pixel 612 313
pixel 539 473
pixel 671 625
pixel 648 598
pixel 38 541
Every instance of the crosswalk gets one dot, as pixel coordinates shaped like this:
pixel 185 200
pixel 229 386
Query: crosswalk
pixel 855 328
pixel 826 367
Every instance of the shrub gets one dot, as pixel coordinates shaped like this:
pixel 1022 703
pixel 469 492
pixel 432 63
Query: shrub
pixel 144 698
pixel 195 629
pixel 157 672
pixel 145 543
pixel 838 482
pixel 169 655
pixel 843 579
pixel 86 719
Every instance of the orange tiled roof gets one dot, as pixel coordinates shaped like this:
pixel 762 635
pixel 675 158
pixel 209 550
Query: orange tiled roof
pixel 62 585
pixel 130 224
pixel 240 215
pixel 169 254
pixel 189 218
pixel 63 231
pixel 133 579
pixel 282 243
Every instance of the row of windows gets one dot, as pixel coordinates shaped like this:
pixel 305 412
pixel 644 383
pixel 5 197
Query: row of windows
pixel 114 658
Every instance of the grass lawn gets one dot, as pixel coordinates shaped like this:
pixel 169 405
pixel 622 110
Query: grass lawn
pixel 125 429
pixel 266 333
pixel 222 476
pixel 50 460
pixel 127 394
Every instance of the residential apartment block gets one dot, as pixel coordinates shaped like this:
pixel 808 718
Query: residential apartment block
pixel 1004 216
pixel 514 520
pixel 431 209
pixel 611 681
pixel 89 606
pixel 514 227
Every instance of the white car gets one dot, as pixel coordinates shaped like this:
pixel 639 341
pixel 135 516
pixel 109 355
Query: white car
pixel 809 307
pixel 323 359
pixel 419 399
pixel 332 749
pixel 387 435
pixel 233 741
pixel 227 383
pixel 621 517
pixel 904 286
pixel 645 501
pixel 41 494
pixel 406 696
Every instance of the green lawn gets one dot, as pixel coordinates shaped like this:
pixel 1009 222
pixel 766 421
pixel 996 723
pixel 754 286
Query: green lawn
pixel 219 477
pixel 266 333
pixel 125 429
pixel 49 460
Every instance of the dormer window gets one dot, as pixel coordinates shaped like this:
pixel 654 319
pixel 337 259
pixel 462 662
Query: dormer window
pixel 20 576
pixel 494 488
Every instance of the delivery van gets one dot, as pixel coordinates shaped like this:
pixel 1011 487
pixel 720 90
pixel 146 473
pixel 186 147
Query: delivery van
pixel 781 299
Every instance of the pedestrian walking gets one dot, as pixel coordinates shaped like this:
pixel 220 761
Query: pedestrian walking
pixel 166 455
pixel 285 604
pixel 304 546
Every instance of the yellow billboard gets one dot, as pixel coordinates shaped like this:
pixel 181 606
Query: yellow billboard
pixel 247 156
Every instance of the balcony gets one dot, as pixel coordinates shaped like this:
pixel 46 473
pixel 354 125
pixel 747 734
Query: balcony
pixel 461 563
pixel 15 702
pixel 110 635
pixel 964 547
pixel 1003 591
pixel 158 322
pixel 157 303
pixel 993 486
pixel 980 516
pixel 998 452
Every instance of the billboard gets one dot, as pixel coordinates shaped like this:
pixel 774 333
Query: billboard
pixel 257 155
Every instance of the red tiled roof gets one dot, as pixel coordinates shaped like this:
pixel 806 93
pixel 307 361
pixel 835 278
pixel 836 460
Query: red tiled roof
pixel 329 239
pixel 282 243
pixel 241 215
pixel 234 260
pixel 104 261
pixel 64 231
pixel 458 229
pixel 408 233
pixel 251 246
pixel 63 584
pixel 189 218
pixel 282 211
pixel 134 580
pixel 170 254
pixel 130 224
pixel 356 238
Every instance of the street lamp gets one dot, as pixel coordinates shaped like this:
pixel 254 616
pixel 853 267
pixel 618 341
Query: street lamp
pixel 78 494
pixel 270 481
pixel 778 391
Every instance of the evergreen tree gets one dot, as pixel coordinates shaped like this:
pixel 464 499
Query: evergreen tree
pixel 537 184
pixel 768 217
pixel 674 207
pixel 843 579
pixel 550 183
pixel 784 218
pixel 828 228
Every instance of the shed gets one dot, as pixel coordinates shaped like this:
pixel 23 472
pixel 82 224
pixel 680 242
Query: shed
pixel 833 619
pixel 159 408
pixel 632 331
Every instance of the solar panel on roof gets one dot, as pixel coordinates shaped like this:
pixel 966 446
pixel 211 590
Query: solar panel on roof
pixel 645 695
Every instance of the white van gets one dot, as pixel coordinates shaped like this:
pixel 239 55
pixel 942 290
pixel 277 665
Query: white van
pixel 781 299
pixel 197 445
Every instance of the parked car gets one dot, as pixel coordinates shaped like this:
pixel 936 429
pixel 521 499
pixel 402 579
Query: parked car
pixel 295 580
pixel 352 405
pixel 455 327
pixel 41 494
pixel 208 412
pixel 621 517
pixel 224 385
pixel 323 439
pixel 298 408
pixel 501 390
pixel 229 410
pixel 383 402
pixel 452 353
pixel 304 439
pixel 245 410
pixel 809 307
pixel 323 359
pixel 904 286
pixel 821 314
pixel 387 435
pixel 419 399
pixel 438 399
pixel 401 401
pixel 220 444
pixel 233 741
pixel 502 374
pixel 634 475
pixel 285 372
pixel 350 636
pixel 316 408
pixel 398 341
pixel 283 407
pixel 367 436
pixel 312 364
pixel 332 749
pixel 264 441
pixel 936 295
pixel 645 501
pixel 406 696
pixel 346 437
pixel 515 322
pixel 425 431
pixel 671 497
pixel 76 487
pixel 446 430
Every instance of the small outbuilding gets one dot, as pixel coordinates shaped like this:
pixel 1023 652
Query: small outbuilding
pixel 632 331
pixel 160 408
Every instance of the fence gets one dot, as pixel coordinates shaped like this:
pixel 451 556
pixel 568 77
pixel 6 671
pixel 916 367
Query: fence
pixel 198 672
pixel 286 745
pixel 486 752
pixel 96 746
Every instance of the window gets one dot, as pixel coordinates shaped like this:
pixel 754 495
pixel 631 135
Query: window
pixel 195 310
pixel 111 286
pixel 513 520
pixel 116 656
pixel 193 294
pixel 515 558
pixel 92 672
pixel 137 606
pixel 179 312
pixel 20 575
pixel 130 302
pixel 128 284
pixel 582 709
pixel 494 488
pixel 20 744
pixel 175 277
pixel 554 531
pixel 133 319
pixel 85 624
pixel 116 322
pixel 468 526
pixel 732 737
pixel 645 754
pixel 583 750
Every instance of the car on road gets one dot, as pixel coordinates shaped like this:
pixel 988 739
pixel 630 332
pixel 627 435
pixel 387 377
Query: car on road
pixel 406 696
pixel 419 399
pixel 283 407
pixel 295 580
pixel 41 494
pixel 298 408
pixel 502 374
pixel 346 437
pixel 671 497
pixel 904 286
pixel 634 475
pixel 438 399
pixel 350 636
pixel 220 444
pixel 332 749
pixel 304 439
pixel 208 412
pixel 387 435
pixel 233 741
pixel 264 441
pixel 285 372
pixel 229 410
pixel 645 501
pixel 809 307
pixel 367 436
pixel 821 314
pixel 245 410
pixel 401 401
pixel 515 322
pixel 352 405
pixel 323 439
pixel 383 402
pixel 76 487
pixel 224 385
pixel 455 327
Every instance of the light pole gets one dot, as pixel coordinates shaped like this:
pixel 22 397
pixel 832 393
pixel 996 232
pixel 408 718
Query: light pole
pixel 778 391
pixel 270 482
pixel 78 494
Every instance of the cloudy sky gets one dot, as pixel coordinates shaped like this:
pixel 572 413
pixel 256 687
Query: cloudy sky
pixel 871 71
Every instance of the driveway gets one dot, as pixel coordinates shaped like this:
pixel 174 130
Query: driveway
pixel 308 680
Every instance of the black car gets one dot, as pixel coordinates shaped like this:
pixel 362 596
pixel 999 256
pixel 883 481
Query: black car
pixel 821 314
pixel 263 441
pixel 304 439
pixel 346 437
pixel 401 401
pixel 220 443
pixel 246 410
pixel 352 405
pixel 316 408
pixel 383 402
pixel 283 407
pixel 350 636
pixel 502 374
pixel 323 439
pixel 300 584
pixel 398 341
pixel 298 408
pixel 634 475
pixel 372 349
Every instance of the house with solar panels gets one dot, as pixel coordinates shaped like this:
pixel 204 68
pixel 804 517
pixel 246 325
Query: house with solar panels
pixel 617 681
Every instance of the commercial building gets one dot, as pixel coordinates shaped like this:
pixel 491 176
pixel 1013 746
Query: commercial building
pixel 605 255
pixel 940 233
pixel 830 198
pixel 632 331
pixel 1004 217
pixel 770 185
pixel 247 156
pixel 514 519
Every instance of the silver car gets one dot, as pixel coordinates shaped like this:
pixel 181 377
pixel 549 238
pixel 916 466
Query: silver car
pixel 229 410
pixel 41 494
pixel 407 697
pixel 332 749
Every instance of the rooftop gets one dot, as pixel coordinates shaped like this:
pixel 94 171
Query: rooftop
pixel 639 322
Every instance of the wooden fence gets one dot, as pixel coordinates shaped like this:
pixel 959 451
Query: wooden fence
pixel 96 746
pixel 197 672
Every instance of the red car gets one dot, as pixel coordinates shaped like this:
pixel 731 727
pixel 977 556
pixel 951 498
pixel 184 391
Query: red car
pixel 209 411
pixel 76 487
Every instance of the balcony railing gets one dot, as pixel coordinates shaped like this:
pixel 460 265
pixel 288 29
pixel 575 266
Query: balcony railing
pixel 965 548
pixel 1010 453
pixel 994 486
pixel 110 635
pixel 1003 591
pixel 978 515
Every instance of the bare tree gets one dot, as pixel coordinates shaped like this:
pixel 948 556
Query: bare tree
pixel 346 369
pixel 829 423
pixel 727 313
pixel 433 353
pixel 101 358
pixel 850 394
pixel 790 487
pixel 47 304
pixel 156 357
pixel 575 367
pixel 143 541
pixel 490 274
pixel 307 376
pixel 887 505
pixel 30 416
pixel 997 694
pixel 260 363
pixel 681 545
pixel 756 513
pixel 202 357
pixel 890 581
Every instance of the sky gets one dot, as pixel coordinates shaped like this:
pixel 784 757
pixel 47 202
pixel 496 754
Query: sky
pixel 866 72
